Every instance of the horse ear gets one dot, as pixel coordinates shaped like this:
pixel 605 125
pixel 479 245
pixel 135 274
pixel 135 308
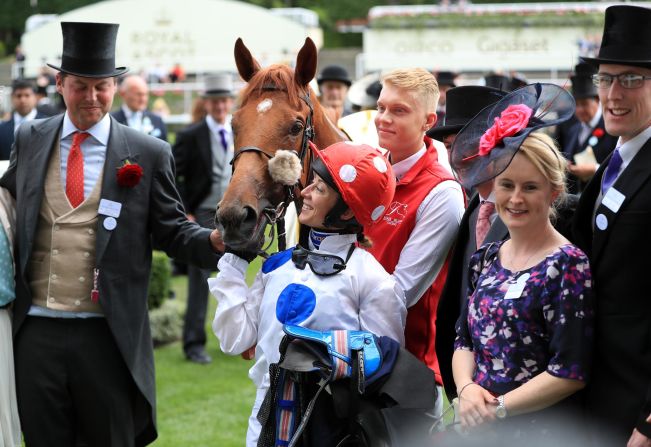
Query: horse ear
pixel 306 63
pixel 247 66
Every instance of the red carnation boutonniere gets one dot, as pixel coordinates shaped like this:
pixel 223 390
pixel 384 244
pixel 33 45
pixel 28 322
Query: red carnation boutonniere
pixel 598 132
pixel 129 174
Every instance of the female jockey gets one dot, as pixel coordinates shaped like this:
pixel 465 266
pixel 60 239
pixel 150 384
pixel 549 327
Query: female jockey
pixel 332 284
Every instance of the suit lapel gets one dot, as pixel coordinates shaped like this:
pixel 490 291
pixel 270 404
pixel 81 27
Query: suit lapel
pixel 38 151
pixel 628 183
pixel 205 147
pixel 117 152
pixel 497 231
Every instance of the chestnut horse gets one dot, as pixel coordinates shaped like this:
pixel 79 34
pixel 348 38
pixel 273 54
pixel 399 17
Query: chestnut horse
pixel 277 110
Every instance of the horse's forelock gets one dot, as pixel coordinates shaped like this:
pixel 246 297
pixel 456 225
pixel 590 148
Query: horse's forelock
pixel 278 76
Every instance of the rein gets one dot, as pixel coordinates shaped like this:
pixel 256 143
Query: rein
pixel 276 215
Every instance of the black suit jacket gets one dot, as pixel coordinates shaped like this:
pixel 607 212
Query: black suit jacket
pixel 455 291
pixel 151 211
pixel 7 135
pixel 194 161
pixel 159 129
pixel 568 139
pixel 619 394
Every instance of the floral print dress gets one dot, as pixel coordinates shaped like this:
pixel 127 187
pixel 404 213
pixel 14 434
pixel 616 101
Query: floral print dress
pixel 519 324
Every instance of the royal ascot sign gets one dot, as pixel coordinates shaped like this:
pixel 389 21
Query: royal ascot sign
pixel 474 49
pixel 156 34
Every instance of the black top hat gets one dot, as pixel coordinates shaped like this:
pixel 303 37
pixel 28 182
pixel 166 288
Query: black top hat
pixel 518 80
pixel 463 103
pixel 498 81
pixel 626 39
pixel 89 50
pixel 446 78
pixel 334 73
pixel 485 146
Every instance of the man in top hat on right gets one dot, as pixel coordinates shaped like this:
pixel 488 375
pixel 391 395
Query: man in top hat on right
pixel 584 140
pixel 203 152
pixel 612 227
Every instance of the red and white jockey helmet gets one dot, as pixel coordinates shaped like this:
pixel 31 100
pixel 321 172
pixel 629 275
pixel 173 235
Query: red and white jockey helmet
pixel 361 174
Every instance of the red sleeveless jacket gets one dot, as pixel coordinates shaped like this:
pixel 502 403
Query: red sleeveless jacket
pixel 390 236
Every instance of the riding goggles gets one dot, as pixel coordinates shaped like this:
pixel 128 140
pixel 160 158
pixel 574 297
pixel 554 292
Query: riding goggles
pixel 321 264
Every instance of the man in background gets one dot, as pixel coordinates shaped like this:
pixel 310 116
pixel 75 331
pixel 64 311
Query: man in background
pixel 23 103
pixel 134 113
pixel 203 152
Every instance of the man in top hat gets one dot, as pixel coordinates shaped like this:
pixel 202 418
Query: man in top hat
pixel 203 152
pixel 584 140
pixel 445 80
pixel 133 112
pixel 612 227
pixel 463 104
pixel 92 196
pixel 334 83
pixel 23 102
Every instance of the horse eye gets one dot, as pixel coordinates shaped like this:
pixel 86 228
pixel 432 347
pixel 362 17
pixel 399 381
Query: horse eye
pixel 296 128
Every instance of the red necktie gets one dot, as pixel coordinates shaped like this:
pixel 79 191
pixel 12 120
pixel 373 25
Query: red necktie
pixel 486 210
pixel 75 170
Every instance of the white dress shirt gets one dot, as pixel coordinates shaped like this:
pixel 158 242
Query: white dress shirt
pixel 437 222
pixel 93 149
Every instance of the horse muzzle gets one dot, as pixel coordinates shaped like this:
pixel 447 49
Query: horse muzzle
pixel 242 228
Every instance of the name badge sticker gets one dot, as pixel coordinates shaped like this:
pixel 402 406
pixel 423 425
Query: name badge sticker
pixel 109 208
pixel 613 199
pixel 515 290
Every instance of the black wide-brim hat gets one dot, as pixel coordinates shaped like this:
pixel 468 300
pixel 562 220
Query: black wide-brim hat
pixel 334 73
pixel 462 104
pixel 549 104
pixel 626 39
pixel 89 50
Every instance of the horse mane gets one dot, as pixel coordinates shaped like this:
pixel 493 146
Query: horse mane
pixel 275 76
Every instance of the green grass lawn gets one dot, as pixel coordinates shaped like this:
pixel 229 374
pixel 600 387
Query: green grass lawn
pixel 202 405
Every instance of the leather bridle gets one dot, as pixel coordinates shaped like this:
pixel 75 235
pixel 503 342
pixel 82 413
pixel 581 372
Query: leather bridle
pixel 276 215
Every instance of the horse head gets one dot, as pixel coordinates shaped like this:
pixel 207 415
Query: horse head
pixel 277 110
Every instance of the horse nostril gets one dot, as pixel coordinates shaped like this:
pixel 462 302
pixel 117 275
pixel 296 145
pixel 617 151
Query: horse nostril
pixel 250 216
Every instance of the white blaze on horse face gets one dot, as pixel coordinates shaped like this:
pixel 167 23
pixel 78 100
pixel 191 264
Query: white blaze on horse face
pixel 265 105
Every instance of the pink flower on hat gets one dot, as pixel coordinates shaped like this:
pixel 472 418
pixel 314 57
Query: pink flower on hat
pixel 511 121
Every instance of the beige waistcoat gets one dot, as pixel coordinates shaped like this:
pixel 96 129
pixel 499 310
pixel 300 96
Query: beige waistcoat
pixel 60 271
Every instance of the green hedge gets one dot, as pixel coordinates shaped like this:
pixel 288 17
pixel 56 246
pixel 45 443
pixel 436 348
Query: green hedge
pixel 165 315
pixel 159 280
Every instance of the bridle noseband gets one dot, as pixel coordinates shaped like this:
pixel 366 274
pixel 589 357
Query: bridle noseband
pixel 276 215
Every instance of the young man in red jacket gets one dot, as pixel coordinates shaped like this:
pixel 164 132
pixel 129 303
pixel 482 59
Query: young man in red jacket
pixel 414 237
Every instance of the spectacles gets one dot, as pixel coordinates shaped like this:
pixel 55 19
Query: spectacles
pixel 321 264
pixel 626 80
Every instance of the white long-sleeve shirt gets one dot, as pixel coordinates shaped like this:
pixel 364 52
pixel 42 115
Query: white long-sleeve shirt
pixel 361 297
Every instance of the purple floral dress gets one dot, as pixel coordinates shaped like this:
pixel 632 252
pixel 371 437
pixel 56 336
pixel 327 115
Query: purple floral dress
pixel 519 324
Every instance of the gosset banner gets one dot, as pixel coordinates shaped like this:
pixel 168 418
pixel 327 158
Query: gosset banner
pixel 478 49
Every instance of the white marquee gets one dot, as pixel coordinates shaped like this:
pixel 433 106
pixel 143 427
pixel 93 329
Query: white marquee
pixel 198 34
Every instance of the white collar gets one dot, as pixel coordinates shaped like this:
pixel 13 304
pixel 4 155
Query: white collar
pixel 402 167
pixel 490 198
pixel 100 131
pixel 30 116
pixel 629 150
pixel 338 244
pixel 214 126
pixel 128 113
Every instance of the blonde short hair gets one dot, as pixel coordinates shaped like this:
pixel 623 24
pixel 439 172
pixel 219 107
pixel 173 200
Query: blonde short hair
pixel 541 150
pixel 420 82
